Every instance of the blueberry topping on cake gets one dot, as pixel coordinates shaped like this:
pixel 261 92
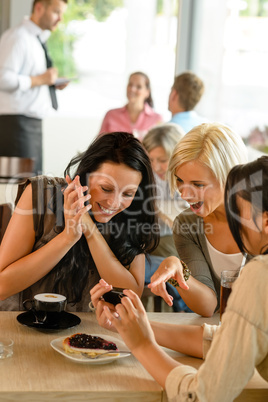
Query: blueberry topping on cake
pixel 90 344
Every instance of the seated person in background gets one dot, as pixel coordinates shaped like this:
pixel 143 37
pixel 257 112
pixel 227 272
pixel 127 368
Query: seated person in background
pixel 198 169
pixel 232 350
pixel 186 92
pixel 137 116
pixel 160 142
pixel 57 242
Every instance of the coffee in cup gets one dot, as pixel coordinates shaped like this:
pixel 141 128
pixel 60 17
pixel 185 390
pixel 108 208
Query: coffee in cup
pixel 46 307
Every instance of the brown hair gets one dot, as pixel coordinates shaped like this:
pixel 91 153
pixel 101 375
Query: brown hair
pixel 47 2
pixel 190 88
pixel 149 100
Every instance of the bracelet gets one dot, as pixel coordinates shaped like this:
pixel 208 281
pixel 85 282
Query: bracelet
pixel 91 307
pixel 186 274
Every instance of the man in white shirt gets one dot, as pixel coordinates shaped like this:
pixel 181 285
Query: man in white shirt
pixel 27 81
pixel 186 92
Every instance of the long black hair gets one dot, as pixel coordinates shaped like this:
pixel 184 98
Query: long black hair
pixel 129 233
pixel 250 182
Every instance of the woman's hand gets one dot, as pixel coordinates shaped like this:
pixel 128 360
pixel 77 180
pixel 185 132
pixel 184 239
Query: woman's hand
pixel 171 267
pixel 131 322
pixel 74 208
pixel 97 301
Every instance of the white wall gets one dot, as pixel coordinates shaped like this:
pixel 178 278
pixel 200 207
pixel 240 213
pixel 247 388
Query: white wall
pixel 63 138
pixel 18 9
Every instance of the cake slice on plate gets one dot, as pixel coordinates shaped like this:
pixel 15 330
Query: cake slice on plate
pixel 89 344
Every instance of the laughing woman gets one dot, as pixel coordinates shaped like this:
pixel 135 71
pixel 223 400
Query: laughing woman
pixel 57 242
pixel 198 169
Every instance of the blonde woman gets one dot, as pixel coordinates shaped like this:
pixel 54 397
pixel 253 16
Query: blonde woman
pixel 198 169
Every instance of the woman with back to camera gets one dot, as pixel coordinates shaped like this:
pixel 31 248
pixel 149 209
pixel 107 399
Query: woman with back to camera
pixel 64 246
pixel 198 169
pixel 242 339
pixel 137 116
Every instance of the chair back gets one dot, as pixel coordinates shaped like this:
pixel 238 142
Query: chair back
pixel 15 169
pixel 157 300
pixel 5 215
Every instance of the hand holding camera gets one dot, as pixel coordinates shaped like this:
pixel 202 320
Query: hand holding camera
pixel 114 296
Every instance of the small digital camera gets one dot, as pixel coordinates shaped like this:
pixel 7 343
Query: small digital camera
pixel 114 296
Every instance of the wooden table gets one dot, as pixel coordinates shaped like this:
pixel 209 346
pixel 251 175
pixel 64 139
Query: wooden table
pixel 37 373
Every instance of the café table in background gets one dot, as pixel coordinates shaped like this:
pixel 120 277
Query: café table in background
pixel 37 373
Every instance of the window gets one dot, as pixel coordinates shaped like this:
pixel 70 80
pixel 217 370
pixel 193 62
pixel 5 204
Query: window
pixel 136 35
pixel 229 51
pixel 132 35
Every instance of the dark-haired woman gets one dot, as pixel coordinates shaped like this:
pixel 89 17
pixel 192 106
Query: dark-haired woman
pixel 137 116
pixel 233 350
pixel 67 233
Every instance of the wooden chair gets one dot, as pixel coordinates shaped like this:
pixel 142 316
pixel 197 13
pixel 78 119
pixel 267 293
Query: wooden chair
pixel 5 215
pixel 14 169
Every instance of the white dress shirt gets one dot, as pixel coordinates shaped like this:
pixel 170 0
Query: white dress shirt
pixel 22 56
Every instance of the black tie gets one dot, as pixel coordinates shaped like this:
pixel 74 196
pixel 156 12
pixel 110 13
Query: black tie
pixel 52 89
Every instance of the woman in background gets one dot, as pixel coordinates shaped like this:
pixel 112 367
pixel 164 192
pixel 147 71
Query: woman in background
pixel 137 116
pixel 160 142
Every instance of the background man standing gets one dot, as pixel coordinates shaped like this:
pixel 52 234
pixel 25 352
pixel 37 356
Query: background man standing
pixel 27 81
pixel 186 92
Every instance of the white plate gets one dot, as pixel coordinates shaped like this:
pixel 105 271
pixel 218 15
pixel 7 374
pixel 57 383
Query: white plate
pixel 58 346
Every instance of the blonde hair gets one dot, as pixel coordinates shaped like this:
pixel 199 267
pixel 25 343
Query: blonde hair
pixel 163 135
pixel 212 144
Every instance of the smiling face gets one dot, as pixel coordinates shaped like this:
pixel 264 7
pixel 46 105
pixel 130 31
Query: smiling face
pixel 112 188
pixel 159 161
pixel 51 14
pixel 199 187
pixel 137 91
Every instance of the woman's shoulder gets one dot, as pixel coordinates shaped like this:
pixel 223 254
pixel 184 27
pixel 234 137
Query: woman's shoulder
pixel 249 293
pixel 39 182
pixel 188 224
pixel 254 276
pixel 115 111
pixel 255 266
